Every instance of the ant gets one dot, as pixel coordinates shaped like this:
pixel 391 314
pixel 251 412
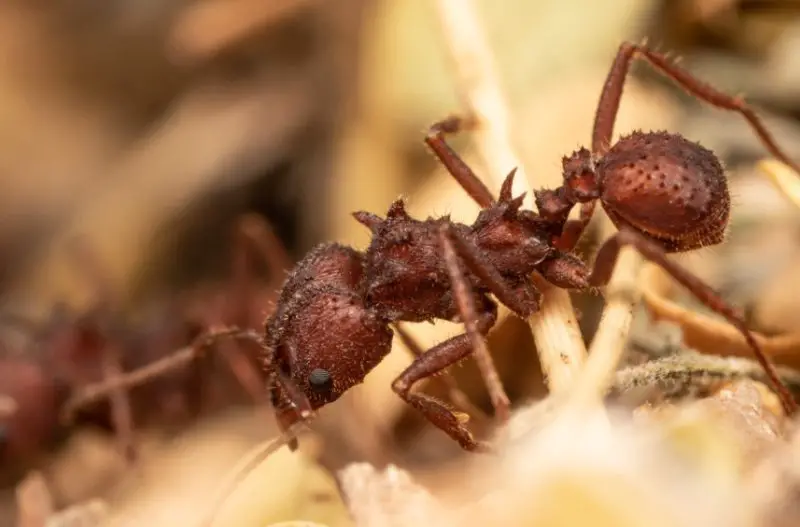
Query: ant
pixel 75 360
pixel 339 308
pixel 333 320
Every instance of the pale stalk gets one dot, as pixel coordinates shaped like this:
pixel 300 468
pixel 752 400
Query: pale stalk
pixel 555 328
pixel 783 177
pixel 608 346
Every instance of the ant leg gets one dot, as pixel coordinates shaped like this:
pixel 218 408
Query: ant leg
pixel 85 259
pixel 453 162
pixel 244 370
pixel 574 229
pixel 466 308
pixel 253 238
pixel 604 265
pixel 612 92
pixel 523 300
pixel 178 359
pixel 121 411
pixel 260 234
pixel 432 362
pixel 454 392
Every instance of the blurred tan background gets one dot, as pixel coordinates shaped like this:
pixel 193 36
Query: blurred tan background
pixel 149 127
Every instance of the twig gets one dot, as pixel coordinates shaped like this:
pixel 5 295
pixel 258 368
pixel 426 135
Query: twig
pixel 608 346
pixel 555 328
pixel 207 28
pixel 783 177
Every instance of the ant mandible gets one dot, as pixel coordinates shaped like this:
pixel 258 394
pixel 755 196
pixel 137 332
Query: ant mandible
pixel 664 193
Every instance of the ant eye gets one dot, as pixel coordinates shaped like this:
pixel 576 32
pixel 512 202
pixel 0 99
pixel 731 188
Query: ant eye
pixel 320 379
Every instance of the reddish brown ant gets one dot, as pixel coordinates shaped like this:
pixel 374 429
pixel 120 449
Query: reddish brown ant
pixel 665 194
pixel 332 322
pixel 75 362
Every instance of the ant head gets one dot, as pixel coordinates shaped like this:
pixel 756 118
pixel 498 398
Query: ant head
pixel 328 346
pixel 668 188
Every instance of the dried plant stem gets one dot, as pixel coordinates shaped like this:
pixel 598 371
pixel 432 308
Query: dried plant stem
pixel 608 345
pixel 606 350
pixel 207 28
pixel 554 327
pixel 476 80
pixel 555 336
pixel 783 177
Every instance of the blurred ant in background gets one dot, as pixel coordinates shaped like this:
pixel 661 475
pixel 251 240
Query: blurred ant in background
pixel 73 368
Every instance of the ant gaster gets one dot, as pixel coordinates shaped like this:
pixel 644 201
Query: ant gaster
pixel 664 193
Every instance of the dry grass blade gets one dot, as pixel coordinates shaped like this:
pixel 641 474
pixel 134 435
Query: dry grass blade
pixel 783 177
pixel 554 327
pixel 706 333
pixel 207 28
pixel 247 464
pixel 607 348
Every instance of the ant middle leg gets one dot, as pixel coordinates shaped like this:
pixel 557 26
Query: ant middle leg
pixel 434 361
pixel 458 397
pixel 604 265
pixel 465 303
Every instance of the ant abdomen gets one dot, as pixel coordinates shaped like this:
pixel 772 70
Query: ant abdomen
pixel 670 189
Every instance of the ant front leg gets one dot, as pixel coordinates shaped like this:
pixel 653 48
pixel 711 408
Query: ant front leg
pixel 429 364
pixel 604 265
pixel 465 303
pixel 612 92
pixel 523 299
pixel 453 391
pixel 454 164
pixel 434 361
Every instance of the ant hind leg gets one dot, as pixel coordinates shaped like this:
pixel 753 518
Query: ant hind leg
pixel 455 165
pixel 604 265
